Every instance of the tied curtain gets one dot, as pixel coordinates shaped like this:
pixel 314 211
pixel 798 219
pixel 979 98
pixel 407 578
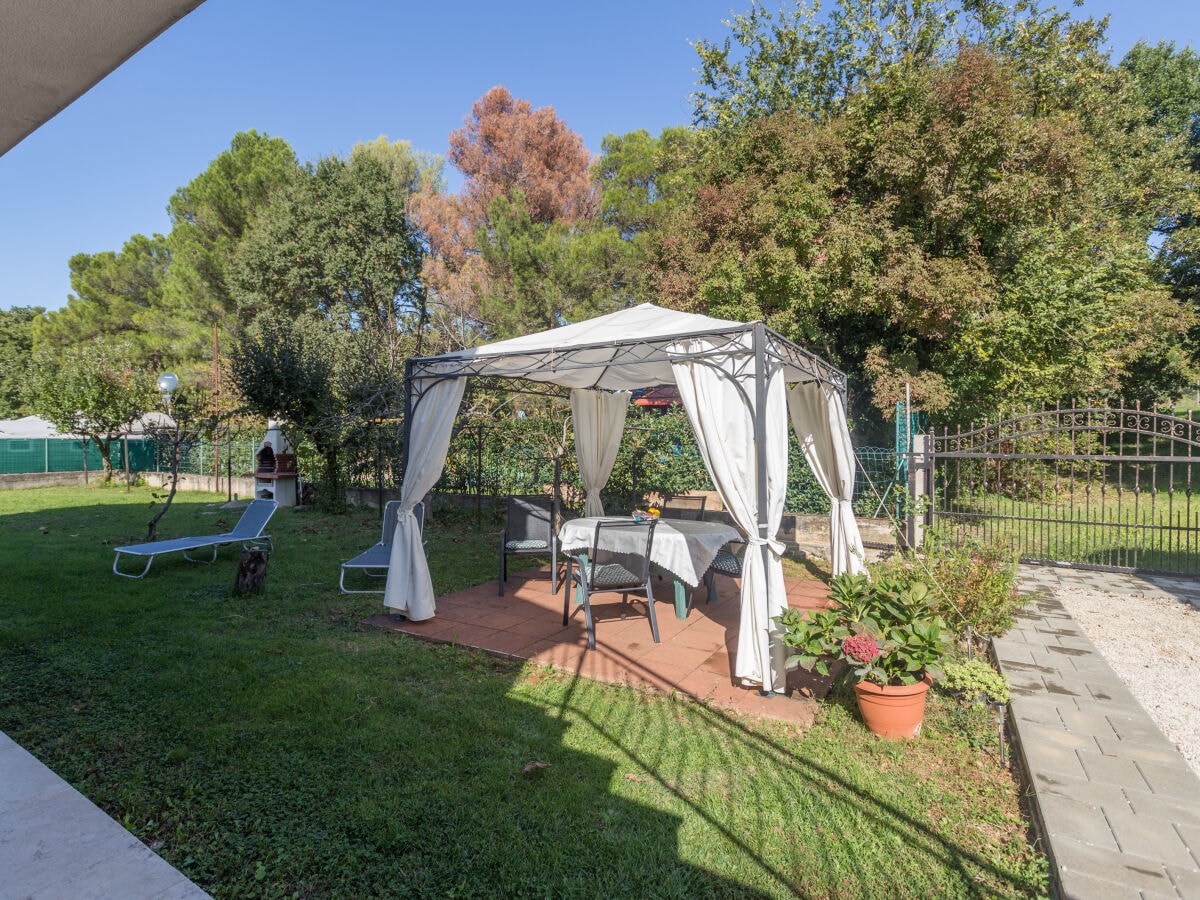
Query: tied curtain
pixel 720 407
pixel 599 419
pixel 819 419
pixel 409 588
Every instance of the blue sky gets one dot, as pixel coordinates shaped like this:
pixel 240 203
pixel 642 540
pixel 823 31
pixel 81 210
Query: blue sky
pixel 326 76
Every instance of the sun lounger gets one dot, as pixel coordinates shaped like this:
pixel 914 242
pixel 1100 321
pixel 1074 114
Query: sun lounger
pixel 248 532
pixel 375 560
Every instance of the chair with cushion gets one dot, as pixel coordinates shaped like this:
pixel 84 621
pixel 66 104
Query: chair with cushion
pixel 529 531
pixel 375 560
pixel 683 508
pixel 727 562
pixel 617 562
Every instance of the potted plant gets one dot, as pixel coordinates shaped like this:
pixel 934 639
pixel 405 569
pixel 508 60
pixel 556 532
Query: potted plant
pixel 889 639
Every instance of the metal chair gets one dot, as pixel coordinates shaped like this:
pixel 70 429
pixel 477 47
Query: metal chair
pixel 617 562
pixel 728 563
pixel 529 531
pixel 379 556
pixel 683 508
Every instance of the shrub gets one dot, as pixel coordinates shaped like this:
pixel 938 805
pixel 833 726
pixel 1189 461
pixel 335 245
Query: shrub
pixel 974 582
pixel 975 680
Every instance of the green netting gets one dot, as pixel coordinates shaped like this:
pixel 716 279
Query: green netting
pixel 24 457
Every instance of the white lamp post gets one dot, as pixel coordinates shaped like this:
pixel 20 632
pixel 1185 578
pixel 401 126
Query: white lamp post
pixel 167 382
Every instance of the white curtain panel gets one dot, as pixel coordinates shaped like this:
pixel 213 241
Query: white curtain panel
pixel 819 419
pixel 599 419
pixel 722 419
pixel 409 588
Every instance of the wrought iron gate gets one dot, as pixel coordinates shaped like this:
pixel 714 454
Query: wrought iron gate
pixel 1092 486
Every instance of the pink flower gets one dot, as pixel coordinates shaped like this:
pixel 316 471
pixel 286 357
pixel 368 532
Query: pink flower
pixel 860 648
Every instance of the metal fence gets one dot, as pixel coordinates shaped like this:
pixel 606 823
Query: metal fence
pixel 1089 485
pixel 490 463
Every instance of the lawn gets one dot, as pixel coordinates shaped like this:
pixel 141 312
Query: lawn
pixel 1153 531
pixel 273 746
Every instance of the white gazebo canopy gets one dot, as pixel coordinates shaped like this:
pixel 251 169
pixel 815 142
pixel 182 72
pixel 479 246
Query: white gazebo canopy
pixel 740 383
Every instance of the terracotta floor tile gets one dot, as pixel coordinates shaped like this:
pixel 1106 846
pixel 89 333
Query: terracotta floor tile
pixel 674 654
pixel 509 643
pixel 549 625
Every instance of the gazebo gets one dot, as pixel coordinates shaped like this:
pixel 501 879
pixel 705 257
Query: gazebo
pixel 741 385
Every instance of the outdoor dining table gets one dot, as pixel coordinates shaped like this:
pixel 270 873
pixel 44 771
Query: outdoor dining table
pixel 682 549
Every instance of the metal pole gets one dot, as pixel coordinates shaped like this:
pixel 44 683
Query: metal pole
pixel 760 457
pixel 379 463
pixel 216 413
pixel 478 476
pixel 408 408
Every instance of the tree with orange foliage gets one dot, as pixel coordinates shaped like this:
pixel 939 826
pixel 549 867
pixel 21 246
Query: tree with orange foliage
pixel 506 149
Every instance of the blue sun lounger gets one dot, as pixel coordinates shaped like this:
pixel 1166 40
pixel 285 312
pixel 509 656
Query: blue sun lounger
pixel 248 532
pixel 375 560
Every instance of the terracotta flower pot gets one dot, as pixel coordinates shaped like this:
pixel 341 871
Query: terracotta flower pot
pixel 893 711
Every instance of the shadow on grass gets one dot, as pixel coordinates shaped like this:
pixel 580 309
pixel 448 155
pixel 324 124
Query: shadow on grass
pixel 267 747
pixel 826 800
pixel 270 746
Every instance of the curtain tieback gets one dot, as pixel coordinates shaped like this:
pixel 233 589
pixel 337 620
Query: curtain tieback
pixel 777 547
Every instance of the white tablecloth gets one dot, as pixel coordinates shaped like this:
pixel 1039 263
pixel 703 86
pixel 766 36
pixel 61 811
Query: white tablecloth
pixel 682 547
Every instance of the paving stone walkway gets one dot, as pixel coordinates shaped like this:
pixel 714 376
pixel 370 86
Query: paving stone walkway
pixel 1115 804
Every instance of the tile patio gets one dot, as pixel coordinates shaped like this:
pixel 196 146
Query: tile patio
pixel 693 658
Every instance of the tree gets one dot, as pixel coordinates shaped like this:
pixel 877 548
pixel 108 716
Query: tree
pixel 96 390
pixel 505 148
pixel 898 200
pixel 813 63
pixel 191 417
pixel 16 349
pixel 540 274
pixel 1168 84
pixel 641 177
pixel 209 218
pixel 338 241
pixel 115 296
pixel 285 367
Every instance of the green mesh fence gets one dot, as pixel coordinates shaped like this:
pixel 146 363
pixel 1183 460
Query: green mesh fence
pixel 199 457
pixel 31 456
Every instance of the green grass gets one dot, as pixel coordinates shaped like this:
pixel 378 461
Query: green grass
pixel 1157 532
pixel 272 746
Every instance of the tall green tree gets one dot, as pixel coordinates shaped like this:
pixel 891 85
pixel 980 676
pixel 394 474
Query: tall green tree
pixel 16 351
pixel 96 389
pixel 542 274
pixel 338 241
pixel 956 196
pixel 1167 82
pixel 209 218
pixel 115 296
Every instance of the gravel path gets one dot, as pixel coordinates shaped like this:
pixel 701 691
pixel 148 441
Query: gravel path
pixel 1152 642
